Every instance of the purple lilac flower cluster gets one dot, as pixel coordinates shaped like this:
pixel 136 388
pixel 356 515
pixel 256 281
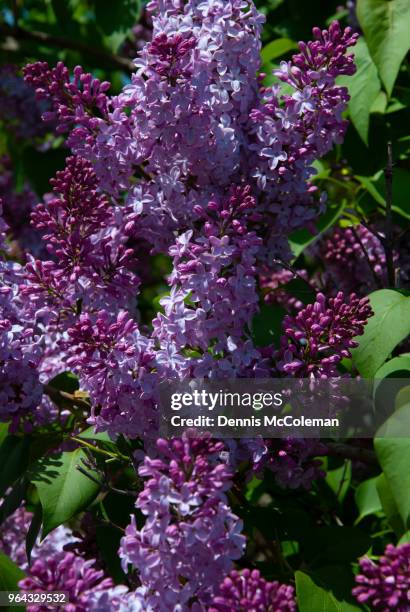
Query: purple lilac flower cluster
pixel 211 122
pixel 354 260
pixel 385 585
pixel 20 112
pixel 318 337
pixel 247 590
pixel 214 271
pixel 273 284
pixel 182 142
pixel 56 565
pixel 20 388
pixel 291 131
pixel 72 101
pixel 13 531
pixel 114 363
pixel 91 264
pixel 190 536
pixel 65 572
pixel 17 207
pixel 294 461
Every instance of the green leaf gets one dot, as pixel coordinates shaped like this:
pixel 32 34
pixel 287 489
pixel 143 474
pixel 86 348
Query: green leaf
pixel 389 325
pixel 367 182
pixel 328 590
pixel 102 438
pixel 90 434
pixel 14 454
pixel 108 540
pixel 364 87
pixel 116 18
pixel 13 499
pixel 395 366
pixel 390 389
pixel 380 103
pixel 300 289
pixel 63 489
pixel 277 48
pixel 394 458
pixel 367 499
pixel 66 381
pixel 403 397
pixel 301 239
pixel 401 189
pixel 339 479
pixel 386 26
pixel 335 544
pixel 267 325
pixel 405 538
pixel 10 574
pixel 389 505
pixel 376 187
pixel 4 430
pixel 33 531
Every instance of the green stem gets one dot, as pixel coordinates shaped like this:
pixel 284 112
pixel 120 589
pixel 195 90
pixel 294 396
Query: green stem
pixel 100 451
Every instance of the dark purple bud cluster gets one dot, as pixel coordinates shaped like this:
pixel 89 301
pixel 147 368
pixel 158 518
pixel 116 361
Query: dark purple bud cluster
pixel 318 337
pixel 385 585
pixel 247 590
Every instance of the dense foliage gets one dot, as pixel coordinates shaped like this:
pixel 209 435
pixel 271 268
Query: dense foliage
pixel 188 191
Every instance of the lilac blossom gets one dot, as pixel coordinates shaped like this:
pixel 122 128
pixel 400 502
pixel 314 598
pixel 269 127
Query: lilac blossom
pixel 72 216
pixel 354 259
pixel 194 120
pixel 19 110
pixel 318 337
pixel 385 585
pixel 20 388
pixel 273 285
pixel 190 536
pixel 52 568
pixel 91 265
pixel 73 102
pixel 294 462
pixel 65 572
pixel 187 129
pixel 247 590
pixel 119 599
pixel 13 533
pixel 17 207
pixel 140 34
pixel 114 363
pixel 20 393
pixel 213 292
pixel 194 158
pixel 12 536
pixel 291 131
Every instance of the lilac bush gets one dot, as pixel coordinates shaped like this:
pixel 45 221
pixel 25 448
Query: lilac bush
pixel 186 188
